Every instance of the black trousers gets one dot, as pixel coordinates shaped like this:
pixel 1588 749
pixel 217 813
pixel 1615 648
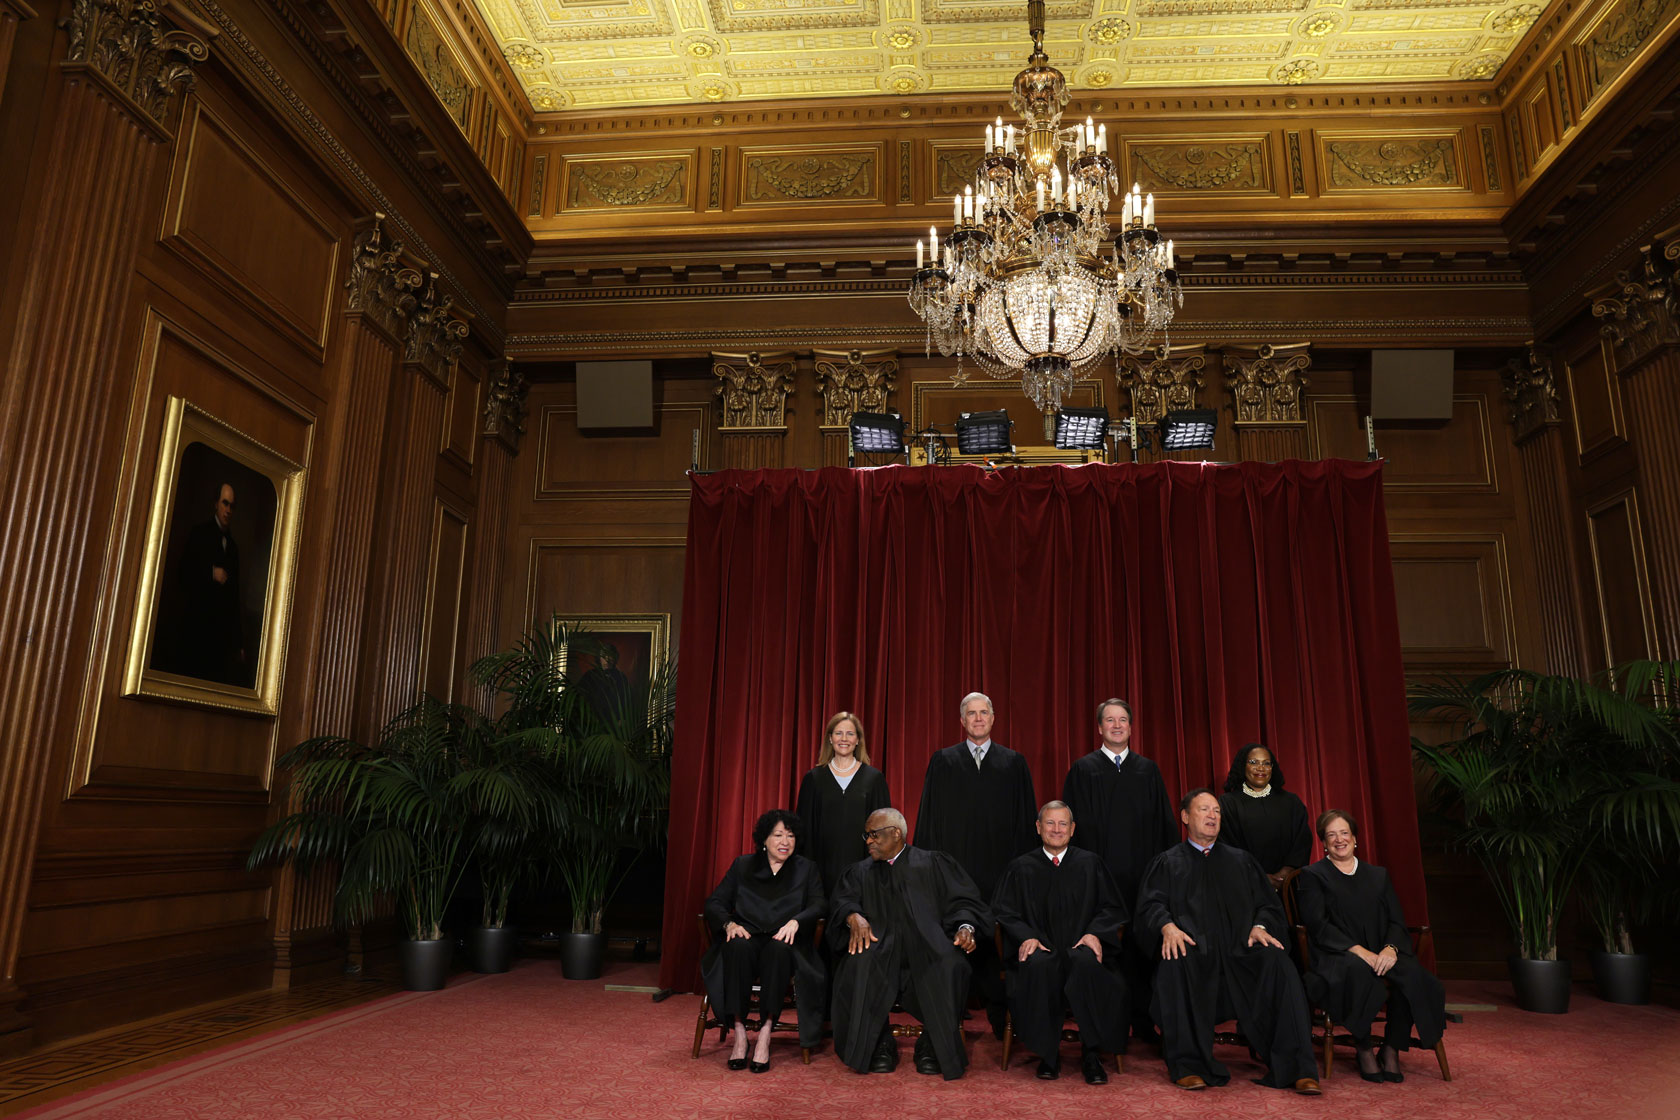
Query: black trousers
pixel 1047 985
pixel 746 959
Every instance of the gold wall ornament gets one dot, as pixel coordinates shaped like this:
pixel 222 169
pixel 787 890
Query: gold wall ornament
pixel 433 342
pixel 598 184
pixel 809 176
pixel 539 173
pixel 1490 158
pixel 955 163
pixel 1218 165
pixel 855 381
pixel 1382 163
pixel 380 285
pixel 1163 380
pixel 1296 182
pixel 435 55
pixel 504 406
pixel 144 49
pixel 1267 382
pixel 1531 393
pixel 754 389
pixel 1639 312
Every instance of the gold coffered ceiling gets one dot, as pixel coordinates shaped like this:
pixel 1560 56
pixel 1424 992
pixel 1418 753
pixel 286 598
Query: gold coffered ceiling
pixel 590 54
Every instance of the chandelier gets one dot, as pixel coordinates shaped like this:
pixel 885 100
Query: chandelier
pixel 1031 283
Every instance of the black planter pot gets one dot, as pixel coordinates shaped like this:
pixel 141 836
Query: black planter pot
pixel 1541 986
pixel 425 964
pixel 491 950
pixel 1623 977
pixel 580 955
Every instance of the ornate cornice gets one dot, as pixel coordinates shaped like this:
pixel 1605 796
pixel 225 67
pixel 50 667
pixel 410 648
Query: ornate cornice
pixel 433 341
pixel 380 285
pixel 143 51
pixel 754 389
pixel 1640 312
pixel 1531 393
pixel 855 381
pixel 1266 383
pixel 504 406
pixel 1162 380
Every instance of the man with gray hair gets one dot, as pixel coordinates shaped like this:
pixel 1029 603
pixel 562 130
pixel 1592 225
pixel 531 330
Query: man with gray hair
pixel 978 805
pixel 902 921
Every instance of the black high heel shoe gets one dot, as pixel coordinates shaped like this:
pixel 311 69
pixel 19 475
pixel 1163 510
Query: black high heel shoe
pixel 737 1063
pixel 760 1067
pixel 1367 1057
pixel 1391 1057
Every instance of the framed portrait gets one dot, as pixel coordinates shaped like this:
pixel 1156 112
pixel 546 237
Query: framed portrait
pixel 216 572
pixel 614 657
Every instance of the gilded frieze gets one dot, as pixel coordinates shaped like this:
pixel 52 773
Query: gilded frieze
pixel 772 177
pixel 443 71
pixel 855 381
pixel 1614 40
pixel 1491 159
pixel 658 181
pixel 954 163
pixel 1214 166
pixel 539 174
pixel 1390 162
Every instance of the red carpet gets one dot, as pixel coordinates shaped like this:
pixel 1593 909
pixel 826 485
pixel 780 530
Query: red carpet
pixel 530 1044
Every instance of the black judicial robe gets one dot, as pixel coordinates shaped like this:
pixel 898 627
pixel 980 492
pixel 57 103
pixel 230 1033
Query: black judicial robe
pixel 1341 911
pixel 983 816
pixel 763 903
pixel 1121 813
pixel 834 817
pixel 1057 906
pixel 915 907
pixel 1273 828
pixel 1217 898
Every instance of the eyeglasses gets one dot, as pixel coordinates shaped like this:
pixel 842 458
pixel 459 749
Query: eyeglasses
pixel 872 833
pixel 1259 764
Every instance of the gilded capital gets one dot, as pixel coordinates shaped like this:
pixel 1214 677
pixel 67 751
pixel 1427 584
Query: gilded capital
pixel 1639 312
pixel 1163 380
pixel 754 389
pixel 855 381
pixel 504 406
pixel 1267 382
pixel 1531 393
pixel 144 50
pixel 434 335
pixel 380 285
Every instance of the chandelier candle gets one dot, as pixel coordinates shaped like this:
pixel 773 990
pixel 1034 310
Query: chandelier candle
pixel 1032 284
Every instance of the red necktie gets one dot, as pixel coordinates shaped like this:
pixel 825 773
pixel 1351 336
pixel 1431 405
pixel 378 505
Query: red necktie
pixel 1055 861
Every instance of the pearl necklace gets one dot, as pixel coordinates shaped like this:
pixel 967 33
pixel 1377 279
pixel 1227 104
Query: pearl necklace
pixel 839 773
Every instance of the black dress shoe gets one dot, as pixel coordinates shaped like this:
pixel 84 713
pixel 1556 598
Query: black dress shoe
pixel 1049 1069
pixel 926 1061
pixel 737 1063
pixel 885 1058
pixel 1091 1066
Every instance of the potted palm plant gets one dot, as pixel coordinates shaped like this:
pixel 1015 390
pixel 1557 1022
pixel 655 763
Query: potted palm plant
pixel 1539 765
pixel 611 767
pixel 391 818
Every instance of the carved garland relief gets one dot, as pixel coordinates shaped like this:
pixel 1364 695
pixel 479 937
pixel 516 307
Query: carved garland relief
pixel 809 175
pixel 1401 163
pixel 656 182
pixel 1214 166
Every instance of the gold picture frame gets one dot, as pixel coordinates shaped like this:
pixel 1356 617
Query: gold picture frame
pixel 214 597
pixel 641 643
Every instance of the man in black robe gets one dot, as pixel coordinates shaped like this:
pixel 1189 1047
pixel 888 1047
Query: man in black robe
pixel 1061 919
pixel 978 805
pixel 1125 817
pixel 209 641
pixel 1216 919
pixel 903 922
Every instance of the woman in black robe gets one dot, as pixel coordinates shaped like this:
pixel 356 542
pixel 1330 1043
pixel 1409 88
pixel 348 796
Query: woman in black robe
pixel 760 916
pixel 1362 955
pixel 837 795
pixel 1261 817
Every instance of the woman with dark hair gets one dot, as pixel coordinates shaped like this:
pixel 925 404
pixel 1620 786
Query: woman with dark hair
pixel 837 795
pixel 761 916
pixel 1348 907
pixel 1263 818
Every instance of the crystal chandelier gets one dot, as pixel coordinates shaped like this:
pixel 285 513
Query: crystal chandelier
pixel 1024 284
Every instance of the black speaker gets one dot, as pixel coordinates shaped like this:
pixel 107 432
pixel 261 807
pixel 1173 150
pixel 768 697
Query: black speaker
pixel 1411 384
pixel 614 395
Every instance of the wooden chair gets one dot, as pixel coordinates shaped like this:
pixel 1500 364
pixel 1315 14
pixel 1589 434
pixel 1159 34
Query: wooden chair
pixel 1069 1034
pixel 1422 939
pixel 706 1020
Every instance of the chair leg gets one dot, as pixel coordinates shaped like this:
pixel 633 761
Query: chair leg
pixel 700 1025
pixel 1119 1063
pixel 805 1054
pixel 1008 1038
pixel 1329 1056
pixel 1441 1056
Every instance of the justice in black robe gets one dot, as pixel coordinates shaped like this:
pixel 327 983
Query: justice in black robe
pixel 1123 814
pixel 834 817
pixel 763 903
pixel 1217 898
pixel 1341 911
pixel 1058 905
pixel 915 906
pixel 1273 829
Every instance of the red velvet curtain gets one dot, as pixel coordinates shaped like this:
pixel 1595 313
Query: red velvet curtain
pixel 1236 603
